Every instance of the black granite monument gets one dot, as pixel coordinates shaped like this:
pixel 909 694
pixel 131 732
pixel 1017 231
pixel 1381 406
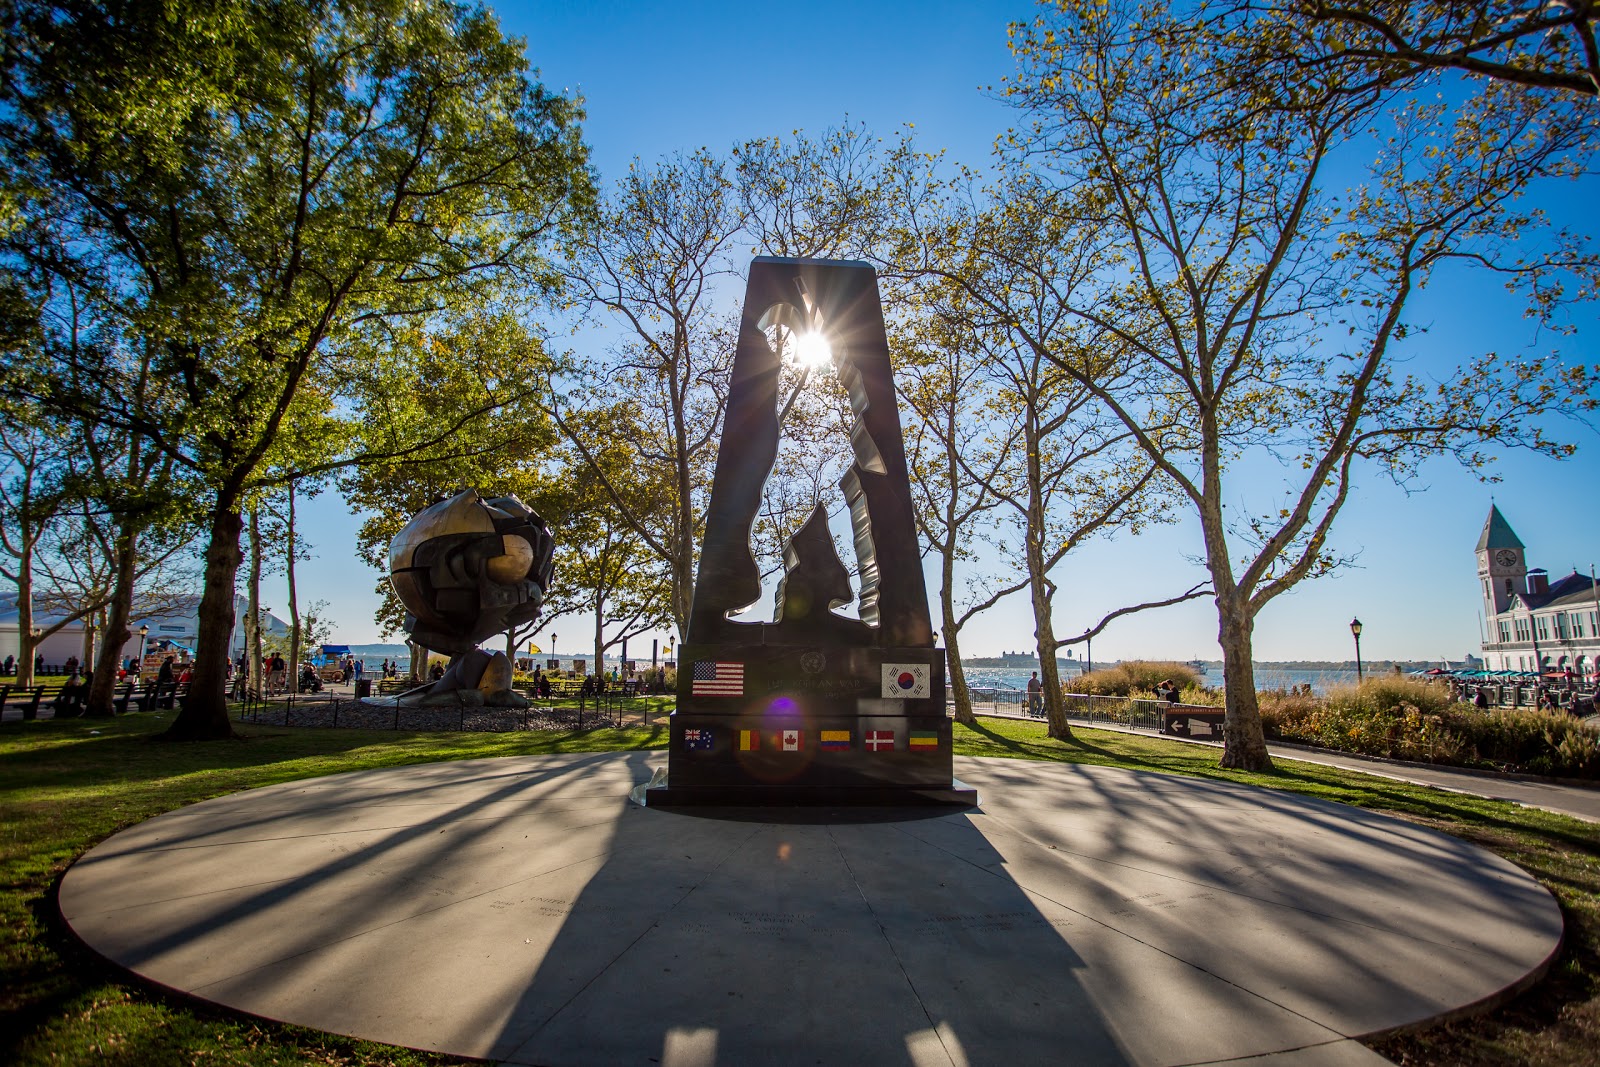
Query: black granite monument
pixel 813 707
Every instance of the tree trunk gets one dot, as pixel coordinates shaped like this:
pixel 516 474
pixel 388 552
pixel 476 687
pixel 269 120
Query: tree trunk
pixel 1042 591
pixel 103 687
pixel 960 695
pixel 950 628
pixel 419 663
pixel 86 656
pixel 25 642
pixel 257 680
pixel 1245 746
pixel 1044 632
pixel 205 710
pixel 294 607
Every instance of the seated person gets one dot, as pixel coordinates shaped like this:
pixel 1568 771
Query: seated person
pixel 72 698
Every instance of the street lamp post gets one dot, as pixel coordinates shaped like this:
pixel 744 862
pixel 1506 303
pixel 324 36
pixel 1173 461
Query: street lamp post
pixel 144 634
pixel 1355 631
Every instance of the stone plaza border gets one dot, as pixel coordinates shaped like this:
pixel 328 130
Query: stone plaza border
pixel 522 909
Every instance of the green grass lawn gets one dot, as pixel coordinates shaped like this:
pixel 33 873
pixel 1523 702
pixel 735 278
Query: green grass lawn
pixel 64 786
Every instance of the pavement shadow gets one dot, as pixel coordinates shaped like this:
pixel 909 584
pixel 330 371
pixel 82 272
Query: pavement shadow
pixel 789 939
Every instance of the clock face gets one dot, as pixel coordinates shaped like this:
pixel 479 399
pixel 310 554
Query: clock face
pixel 1506 558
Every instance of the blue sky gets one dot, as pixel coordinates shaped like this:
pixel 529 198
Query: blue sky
pixel 665 77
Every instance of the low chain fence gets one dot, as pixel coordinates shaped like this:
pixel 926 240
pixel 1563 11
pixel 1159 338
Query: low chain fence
pixel 613 709
pixel 334 711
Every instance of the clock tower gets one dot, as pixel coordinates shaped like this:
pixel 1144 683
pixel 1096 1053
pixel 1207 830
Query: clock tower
pixel 1502 564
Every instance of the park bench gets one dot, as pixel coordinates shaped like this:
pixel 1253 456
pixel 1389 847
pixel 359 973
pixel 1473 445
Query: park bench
pixel 28 698
pixel 31 698
pixel 149 696
pixel 1177 719
pixel 566 687
pixel 121 701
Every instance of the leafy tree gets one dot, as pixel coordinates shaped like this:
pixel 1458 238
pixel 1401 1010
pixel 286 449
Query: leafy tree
pixel 1000 280
pixel 651 263
pixel 267 192
pixel 134 505
pixel 31 501
pixel 957 449
pixel 1546 47
pixel 314 627
pixel 475 372
pixel 811 198
pixel 666 241
pixel 605 569
pixel 1253 319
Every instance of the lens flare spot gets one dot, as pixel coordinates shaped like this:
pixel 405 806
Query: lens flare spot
pixel 813 350
pixel 783 852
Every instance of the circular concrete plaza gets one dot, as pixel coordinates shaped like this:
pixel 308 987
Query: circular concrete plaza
pixel 524 910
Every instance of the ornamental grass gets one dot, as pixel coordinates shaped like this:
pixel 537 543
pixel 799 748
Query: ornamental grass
pixel 1136 678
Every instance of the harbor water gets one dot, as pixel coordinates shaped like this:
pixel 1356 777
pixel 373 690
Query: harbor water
pixel 1017 677
pixel 1266 678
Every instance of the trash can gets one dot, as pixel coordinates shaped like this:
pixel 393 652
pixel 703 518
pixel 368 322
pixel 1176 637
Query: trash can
pixel 363 688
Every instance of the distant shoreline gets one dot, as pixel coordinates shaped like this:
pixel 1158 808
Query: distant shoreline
pixel 1369 665
pixel 1015 662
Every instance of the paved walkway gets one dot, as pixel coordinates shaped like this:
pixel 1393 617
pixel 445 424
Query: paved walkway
pixel 1578 801
pixel 1581 802
pixel 524 910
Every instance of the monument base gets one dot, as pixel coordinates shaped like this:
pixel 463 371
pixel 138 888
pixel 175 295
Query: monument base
pixel 762 725
pixel 665 795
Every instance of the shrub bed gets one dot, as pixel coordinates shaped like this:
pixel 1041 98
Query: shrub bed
pixel 1137 678
pixel 1401 718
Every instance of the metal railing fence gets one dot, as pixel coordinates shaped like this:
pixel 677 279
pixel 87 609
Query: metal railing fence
pixel 1133 712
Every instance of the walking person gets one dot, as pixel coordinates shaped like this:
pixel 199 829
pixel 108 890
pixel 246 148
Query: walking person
pixel 1035 694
